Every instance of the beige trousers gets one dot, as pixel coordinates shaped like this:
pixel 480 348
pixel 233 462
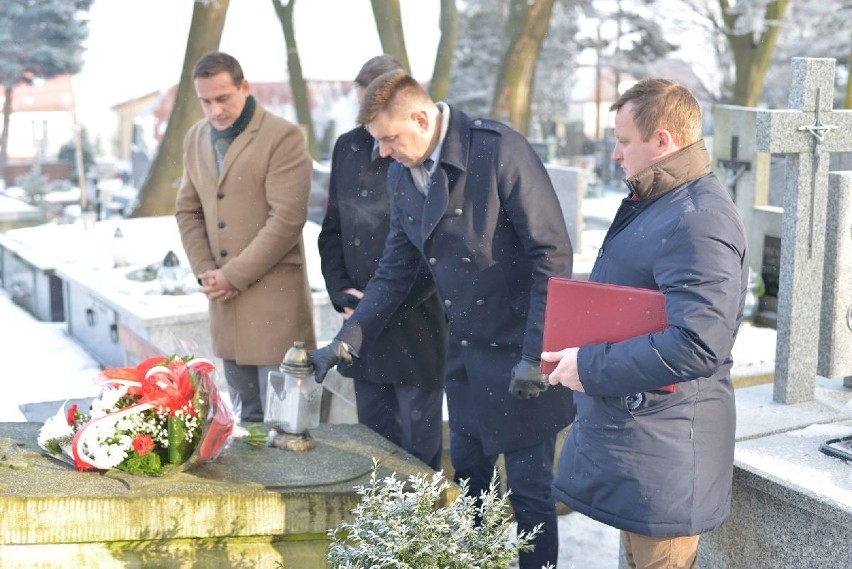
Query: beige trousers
pixel 645 552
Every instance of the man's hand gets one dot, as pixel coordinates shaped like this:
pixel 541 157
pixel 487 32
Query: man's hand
pixel 327 357
pixel 216 285
pixel 566 371
pixel 527 379
pixel 345 301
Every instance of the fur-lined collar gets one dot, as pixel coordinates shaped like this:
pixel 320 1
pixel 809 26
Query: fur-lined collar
pixel 685 165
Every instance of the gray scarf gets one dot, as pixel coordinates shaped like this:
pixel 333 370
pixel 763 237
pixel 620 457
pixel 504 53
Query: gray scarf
pixel 222 139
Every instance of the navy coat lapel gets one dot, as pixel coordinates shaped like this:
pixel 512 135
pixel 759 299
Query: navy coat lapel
pixel 454 154
pixel 409 199
pixel 436 202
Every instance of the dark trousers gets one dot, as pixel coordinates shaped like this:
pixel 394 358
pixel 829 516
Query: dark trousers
pixel 407 416
pixel 529 473
pixel 247 389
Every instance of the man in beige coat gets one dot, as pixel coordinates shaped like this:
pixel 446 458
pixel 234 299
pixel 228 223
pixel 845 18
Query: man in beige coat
pixel 241 207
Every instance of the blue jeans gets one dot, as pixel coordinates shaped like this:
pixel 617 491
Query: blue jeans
pixel 529 473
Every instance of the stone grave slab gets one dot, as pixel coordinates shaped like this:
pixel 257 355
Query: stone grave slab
pixel 100 300
pixel 252 507
pixel 27 272
pixel 102 303
pixel 746 174
pixel 119 317
pixel 570 186
pixel 792 504
pixel 36 290
pixel 15 213
pixel 31 256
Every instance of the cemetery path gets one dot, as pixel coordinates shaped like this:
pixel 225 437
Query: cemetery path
pixel 40 363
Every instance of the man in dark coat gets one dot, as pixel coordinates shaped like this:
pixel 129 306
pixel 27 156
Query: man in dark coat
pixel 659 465
pixel 399 379
pixel 472 199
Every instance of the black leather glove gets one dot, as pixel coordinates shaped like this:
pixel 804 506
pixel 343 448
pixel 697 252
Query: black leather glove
pixel 327 357
pixel 341 300
pixel 527 379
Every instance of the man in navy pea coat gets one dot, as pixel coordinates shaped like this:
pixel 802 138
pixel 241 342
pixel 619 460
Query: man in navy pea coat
pixel 472 199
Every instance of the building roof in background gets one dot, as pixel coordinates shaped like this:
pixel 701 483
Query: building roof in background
pixel 55 94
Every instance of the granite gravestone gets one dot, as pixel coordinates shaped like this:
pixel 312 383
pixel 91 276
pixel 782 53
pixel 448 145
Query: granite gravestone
pixel 835 337
pixel 570 186
pixel 807 134
pixel 745 172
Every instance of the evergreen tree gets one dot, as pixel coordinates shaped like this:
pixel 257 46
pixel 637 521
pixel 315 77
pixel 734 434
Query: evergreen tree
pixel 480 47
pixel 477 55
pixel 39 39
pixel 68 153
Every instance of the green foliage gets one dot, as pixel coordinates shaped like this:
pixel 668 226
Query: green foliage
pixel 399 525
pixel 41 38
pixel 150 464
pixel 38 39
pixel 68 153
pixel 55 445
pixel 257 437
pixel 34 183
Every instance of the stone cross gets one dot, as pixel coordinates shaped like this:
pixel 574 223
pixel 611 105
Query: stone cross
pixel 835 338
pixel 806 133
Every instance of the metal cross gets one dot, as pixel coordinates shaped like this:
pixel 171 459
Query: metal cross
pixel 819 132
pixel 734 168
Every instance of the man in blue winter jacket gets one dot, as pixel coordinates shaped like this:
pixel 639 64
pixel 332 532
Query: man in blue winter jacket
pixel 659 465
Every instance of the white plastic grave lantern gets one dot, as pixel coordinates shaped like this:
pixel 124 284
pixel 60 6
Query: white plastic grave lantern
pixel 171 275
pixel 119 249
pixel 293 395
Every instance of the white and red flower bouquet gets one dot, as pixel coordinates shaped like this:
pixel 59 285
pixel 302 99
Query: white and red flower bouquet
pixel 163 414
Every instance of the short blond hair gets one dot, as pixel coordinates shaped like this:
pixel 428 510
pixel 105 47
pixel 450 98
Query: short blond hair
pixel 663 103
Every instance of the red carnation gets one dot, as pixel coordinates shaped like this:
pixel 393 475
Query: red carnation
pixel 143 444
pixel 72 415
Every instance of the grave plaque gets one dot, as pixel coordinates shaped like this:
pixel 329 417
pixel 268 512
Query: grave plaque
pixel 770 269
pixel 807 134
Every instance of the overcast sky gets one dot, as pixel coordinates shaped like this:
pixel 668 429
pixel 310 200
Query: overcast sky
pixel 138 47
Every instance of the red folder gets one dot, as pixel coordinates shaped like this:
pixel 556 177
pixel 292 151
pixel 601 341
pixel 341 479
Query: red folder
pixel 582 312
